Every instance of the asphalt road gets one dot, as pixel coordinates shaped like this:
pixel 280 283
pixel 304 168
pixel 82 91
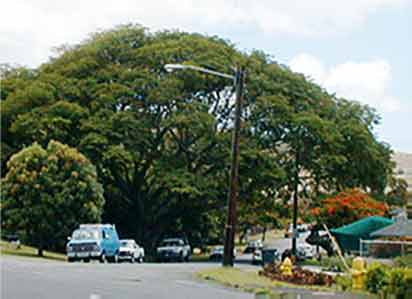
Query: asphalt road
pixel 32 278
pixel 44 279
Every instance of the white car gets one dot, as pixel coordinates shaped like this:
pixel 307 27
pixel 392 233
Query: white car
pixel 174 249
pixel 306 251
pixel 131 251
pixel 218 252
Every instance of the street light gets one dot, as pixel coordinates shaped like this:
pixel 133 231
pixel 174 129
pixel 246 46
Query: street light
pixel 230 228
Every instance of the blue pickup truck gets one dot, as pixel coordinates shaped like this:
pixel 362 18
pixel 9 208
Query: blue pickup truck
pixel 94 241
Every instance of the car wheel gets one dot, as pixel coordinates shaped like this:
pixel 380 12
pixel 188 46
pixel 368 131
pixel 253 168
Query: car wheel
pixel 132 259
pixel 187 257
pixel 103 258
pixel 140 260
pixel 71 259
pixel 86 260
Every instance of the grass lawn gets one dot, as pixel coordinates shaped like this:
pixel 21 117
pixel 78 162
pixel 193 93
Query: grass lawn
pixel 8 248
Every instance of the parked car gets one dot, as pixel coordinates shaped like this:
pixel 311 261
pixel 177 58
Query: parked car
pixel 218 252
pixel 306 251
pixel 94 242
pixel 173 249
pixel 301 228
pixel 253 245
pixel 130 251
pixel 265 255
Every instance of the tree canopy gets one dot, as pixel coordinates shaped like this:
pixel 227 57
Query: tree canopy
pixel 47 192
pixel 161 142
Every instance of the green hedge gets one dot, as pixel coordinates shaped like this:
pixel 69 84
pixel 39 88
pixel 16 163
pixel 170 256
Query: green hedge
pixel 384 280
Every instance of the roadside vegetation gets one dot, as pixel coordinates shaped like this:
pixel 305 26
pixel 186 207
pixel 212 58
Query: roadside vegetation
pixel 8 248
pixel 249 280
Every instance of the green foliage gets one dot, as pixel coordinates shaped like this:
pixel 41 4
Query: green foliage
pixel 398 281
pixel 161 142
pixel 377 278
pixel 47 192
pixel 404 261
pixel 344 282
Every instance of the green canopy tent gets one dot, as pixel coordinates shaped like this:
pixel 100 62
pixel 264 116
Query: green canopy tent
pixel 348 236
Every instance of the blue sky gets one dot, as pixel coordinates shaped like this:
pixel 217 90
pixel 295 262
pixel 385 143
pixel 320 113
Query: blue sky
pixel 360 49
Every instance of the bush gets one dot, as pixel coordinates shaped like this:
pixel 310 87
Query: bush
pixel 382 279
pixel 335 264
pixel 404 261
pixel 397 282
pixel 377 278
pixel 299 276
pixel 344 282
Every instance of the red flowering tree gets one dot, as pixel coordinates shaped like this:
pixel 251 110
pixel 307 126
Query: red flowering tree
pixel 347 207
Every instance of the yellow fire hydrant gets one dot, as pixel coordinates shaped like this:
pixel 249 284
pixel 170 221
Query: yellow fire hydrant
pixel 358 272
pixel 286 267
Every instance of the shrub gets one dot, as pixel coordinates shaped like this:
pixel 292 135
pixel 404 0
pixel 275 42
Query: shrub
pixel 377 278
pixel 299 276
pixel 396 281
pixel 344 282
pixel 404 261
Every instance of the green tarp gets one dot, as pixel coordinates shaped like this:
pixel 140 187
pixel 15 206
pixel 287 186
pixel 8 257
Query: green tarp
pixel 348 236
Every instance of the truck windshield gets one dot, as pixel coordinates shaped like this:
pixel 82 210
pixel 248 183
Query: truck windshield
pixel 84 234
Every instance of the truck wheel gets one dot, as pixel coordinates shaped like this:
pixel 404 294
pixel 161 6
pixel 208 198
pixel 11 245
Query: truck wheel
pixel 86 260
pixel 132 260
pixel 140 260
pixel 71 259
pixel 103 258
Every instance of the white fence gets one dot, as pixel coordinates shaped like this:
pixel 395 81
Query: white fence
pixel 384 248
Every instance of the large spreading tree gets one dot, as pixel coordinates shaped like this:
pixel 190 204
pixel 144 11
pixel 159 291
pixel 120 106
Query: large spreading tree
pixel 161 142
pixel 47 192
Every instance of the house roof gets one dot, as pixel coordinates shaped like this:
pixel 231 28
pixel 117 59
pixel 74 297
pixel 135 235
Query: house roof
pixel 401 228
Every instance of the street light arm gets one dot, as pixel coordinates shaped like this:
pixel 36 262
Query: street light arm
pixel 172 67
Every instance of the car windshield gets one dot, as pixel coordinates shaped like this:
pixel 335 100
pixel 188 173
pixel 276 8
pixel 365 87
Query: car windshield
pixel 171 243
pixel 126 244
pixel 84 234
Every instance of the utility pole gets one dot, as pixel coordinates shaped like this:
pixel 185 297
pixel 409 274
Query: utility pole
pixel 295 205
pixel 230 229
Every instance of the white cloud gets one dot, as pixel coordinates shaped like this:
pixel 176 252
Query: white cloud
pixel 29 29
pixel 367 82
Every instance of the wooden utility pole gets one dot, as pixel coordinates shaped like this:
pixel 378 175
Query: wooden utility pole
pixel 230 230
